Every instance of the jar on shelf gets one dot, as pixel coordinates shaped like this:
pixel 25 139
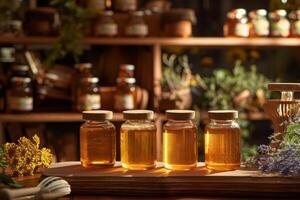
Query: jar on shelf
pixel 222 140
pixel 124 5
pixel 20 95
pixel 180 136
pixel 19 70
pixel 178 22
pixel 236 24
pixel 124 98
pixel 138 140
pixel 295 23
pixel 42 21
pixel 106 26
pixel 136 27
pixel 88 94
pixel 259 24
pixel 83 70
pixel 97 139
pixel 280 25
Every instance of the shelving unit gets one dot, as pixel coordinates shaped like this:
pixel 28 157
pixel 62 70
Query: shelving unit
pixel 194 41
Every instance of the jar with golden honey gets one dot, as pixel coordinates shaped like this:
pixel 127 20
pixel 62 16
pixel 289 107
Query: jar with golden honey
pixel 136 26
pixel 138 140
pixel 106 26
pixel 259 24
pixel 97 139
pixel 20 95
pixel 88 94
pixel 222 140
pixel 280 25
pixel 295 23
pixel 236 24
pixel 180 136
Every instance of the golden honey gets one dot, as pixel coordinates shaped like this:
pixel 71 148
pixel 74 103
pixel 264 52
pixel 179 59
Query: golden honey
pixel 138 140
pixel 222 141
pixel 180 136
pixel 97 140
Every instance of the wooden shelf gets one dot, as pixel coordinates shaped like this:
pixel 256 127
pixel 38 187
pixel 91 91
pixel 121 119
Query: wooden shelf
pixel 194 41
pixel 159 181
pixel 77 117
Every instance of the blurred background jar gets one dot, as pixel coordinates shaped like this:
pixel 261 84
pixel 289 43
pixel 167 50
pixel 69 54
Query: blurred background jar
pixel 20 95
pixel 222 140
pixel 136 26
pixel 280 25
pixel 88 94
pixel 138 140
pixel 42 21
pixel 105 25
pixel 295 23
pixel 124 5
pixel 179 22
pixel 259 24
pixel 236 24
pixel 97 139
pixel 124 98
pixel 20 70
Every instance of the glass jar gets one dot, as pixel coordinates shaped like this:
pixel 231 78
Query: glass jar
pixel 236 24
pixel 126 71
pixel 125 5
pixel 280 25
pixel 138 140
pixel 97 139
pixel 222 140
pixel 19 95
pixel 180 136
pixel 20 70
pixel 83 70
pixel 136 26
pixel 106 26
pixel 124 98
pixel 88 94
pixel 295 23
pixel 260 26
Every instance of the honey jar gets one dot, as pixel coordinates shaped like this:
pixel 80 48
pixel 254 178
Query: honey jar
pixel 236 24
pixel 138 140
pixel 97 139
pixel 259 24
pixel 280 25
pixel 136 26
pixel 106 26
pixel 124 97
pixel 222 140
pixel 179 22
pixel 180 151
pixel 295 23
pixel 88 94
pixel 20 95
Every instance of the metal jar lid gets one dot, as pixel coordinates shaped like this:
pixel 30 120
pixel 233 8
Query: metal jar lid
pixel 223 114
pixel 180 114
pixel 138 114
pixel 97 115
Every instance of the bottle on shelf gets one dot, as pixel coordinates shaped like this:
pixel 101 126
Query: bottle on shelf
pixel 222 140
pixel 88 94
pixel 280 25
pixel 138 140
pixel 259 24
pixel 136 27
pixel 124 5
pixel 236 24
pixel 106 26
pixel 180 136
pixel 20 95
pixel 295 23
pixel 97 139
pixel 124 98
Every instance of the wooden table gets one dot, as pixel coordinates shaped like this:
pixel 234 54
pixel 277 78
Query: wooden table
pixel 200 183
